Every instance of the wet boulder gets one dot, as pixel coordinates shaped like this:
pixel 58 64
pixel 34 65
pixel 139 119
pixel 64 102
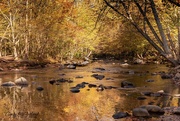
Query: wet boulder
pixel 100 88
pixel 39 88
pixel 81 85
pixel 92 85
pixel 62 80
pixel 75 90
pixel 147 93
pixel 71 66
pixel 21 81
pixel 127 84
pixel 140 112
pixel 153 109
pixel 166 76
pixel 85 83
pixel 70 81
pixel 120 115
pixel 98 77
pixel 8 84
pixel 141 98
pixel 52 81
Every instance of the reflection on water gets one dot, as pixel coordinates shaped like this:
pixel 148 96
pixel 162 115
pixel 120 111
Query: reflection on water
pixel 57 103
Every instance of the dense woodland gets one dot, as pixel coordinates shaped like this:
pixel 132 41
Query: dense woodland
pixel 57 30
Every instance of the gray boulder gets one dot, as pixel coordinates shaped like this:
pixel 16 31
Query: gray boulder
pixel 8 84
pixel 140 112
pixel 21 81
pixel 120 115
pixel 39 88
pixel 153 109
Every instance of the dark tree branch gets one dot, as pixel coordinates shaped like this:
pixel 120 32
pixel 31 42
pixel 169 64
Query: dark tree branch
pixel 149 24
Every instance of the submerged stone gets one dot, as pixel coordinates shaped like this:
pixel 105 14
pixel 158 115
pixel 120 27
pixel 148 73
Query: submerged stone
pixel 52 81
pixel 147 93
pixel 100 88
pixel 98 77
pixel 140 112
pixel 166 76
pixel 92 85
pixel 153 109
pixel 141 98
pixel 39 88
pixel 120 115
pixel 81 85
pixel 127 84
pixel 75 90
pixel 8 84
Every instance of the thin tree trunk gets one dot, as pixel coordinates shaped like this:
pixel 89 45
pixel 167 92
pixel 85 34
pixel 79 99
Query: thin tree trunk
pixel 12 22
pixel 27 32
pixel 178 27
pixel 149 24
pixel 172 45
pixel 160 28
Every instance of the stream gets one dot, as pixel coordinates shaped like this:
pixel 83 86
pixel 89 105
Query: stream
pixel 58 103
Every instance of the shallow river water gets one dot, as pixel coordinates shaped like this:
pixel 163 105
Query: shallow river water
pixel 58 103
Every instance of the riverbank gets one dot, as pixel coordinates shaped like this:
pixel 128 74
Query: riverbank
pixel 11 64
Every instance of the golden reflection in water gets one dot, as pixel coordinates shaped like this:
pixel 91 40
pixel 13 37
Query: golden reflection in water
pixel 57 103
pixel 26 104
pixel 92 105
pixel 16 105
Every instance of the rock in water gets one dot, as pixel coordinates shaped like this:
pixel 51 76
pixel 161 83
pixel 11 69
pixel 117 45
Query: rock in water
pixel 120 115
pixel 39 88
pixel 8 84
pixel 127 84
pixel 75 90
pixel 98 77
pixel 153 109
pixel 140 112
pixel 52 81
pixel 71 66
pixel 21 81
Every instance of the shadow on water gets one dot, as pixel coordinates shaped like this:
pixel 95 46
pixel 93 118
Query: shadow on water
pixel 57 103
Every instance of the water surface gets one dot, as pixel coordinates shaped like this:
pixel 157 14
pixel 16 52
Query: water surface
pixel 57 103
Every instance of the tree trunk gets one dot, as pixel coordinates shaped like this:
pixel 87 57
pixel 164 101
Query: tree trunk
pixel 12 26
pixel 26 56
pixel 178 27
pixel 161 43
pixel 160 28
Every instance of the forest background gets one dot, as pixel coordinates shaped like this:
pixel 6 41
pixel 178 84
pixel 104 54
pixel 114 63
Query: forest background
pixel 57 30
